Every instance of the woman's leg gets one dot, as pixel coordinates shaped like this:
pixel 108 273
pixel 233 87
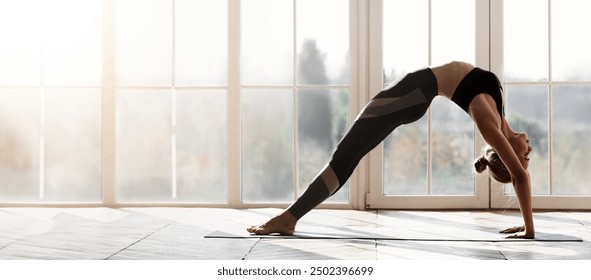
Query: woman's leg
pixel 404 102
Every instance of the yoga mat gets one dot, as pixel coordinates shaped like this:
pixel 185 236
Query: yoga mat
pixel 410 234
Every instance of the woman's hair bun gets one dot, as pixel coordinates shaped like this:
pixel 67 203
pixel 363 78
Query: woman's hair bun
pixel 480 164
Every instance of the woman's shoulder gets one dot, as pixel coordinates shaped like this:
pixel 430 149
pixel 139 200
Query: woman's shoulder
pixel 482 109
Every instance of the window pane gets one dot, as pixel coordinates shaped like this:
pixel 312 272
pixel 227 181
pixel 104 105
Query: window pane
pixel 73 156
pixel 323 42
pixel 201 34
pixel 20 50
pixel 570 46
pixel 452 132
pixel 404 49
pixel 144 137
pixel 19 159
pixel 453 31
pixel 201 166
pixel 406 159
pixel 571 131
pixel 322 122
pixel 72 43
pixel 144 43
pixel 527 111
pixel 267 145
pixel 526 41
pixel 267 42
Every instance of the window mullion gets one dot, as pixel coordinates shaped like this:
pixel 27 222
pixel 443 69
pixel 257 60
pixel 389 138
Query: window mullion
pixel 485 18
pixel 173 104
pixel 430 110
pixel 295 104
pixel 108 104
pixel 234 96
pixel 550 80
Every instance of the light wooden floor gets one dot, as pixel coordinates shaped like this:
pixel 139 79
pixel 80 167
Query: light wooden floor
pixel 178 233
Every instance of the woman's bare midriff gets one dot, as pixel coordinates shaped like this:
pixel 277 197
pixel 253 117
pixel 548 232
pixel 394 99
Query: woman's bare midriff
pixel 450 75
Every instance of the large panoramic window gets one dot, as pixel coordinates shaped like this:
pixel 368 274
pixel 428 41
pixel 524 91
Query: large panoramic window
pixel 241 102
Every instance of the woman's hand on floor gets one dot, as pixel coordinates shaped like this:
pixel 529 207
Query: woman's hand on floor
pixel 513 229
pixel 520 235
pixel 517 230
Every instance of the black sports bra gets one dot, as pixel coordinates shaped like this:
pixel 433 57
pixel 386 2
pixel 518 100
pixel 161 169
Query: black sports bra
pixel 476 82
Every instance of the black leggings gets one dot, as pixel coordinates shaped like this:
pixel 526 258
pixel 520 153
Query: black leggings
pixel 405 101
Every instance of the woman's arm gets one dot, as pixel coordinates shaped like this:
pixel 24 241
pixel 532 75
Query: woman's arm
pixel 520 176
pixel 523 192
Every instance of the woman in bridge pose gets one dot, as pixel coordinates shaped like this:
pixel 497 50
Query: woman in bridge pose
pixel 478 92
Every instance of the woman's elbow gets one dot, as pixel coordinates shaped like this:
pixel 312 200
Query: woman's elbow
pixel 519 178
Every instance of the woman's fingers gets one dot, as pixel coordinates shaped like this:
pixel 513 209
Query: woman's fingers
pixel 513 229
pixel 519 235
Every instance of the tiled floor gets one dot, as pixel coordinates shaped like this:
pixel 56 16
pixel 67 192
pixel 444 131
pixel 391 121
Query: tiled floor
pixel 178 233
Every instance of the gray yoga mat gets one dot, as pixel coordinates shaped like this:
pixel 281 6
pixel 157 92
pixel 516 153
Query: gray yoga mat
pixel 410 234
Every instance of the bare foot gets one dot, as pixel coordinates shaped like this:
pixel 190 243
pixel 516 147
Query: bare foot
pixel 284 224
